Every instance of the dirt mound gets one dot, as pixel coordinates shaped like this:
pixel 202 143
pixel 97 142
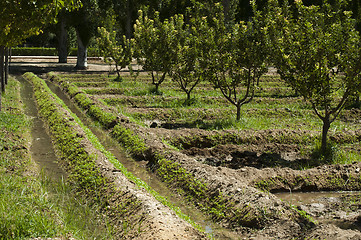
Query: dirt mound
pixel 258 156
pixel 329 231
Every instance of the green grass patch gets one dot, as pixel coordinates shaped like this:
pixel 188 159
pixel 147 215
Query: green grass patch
pixel 274 107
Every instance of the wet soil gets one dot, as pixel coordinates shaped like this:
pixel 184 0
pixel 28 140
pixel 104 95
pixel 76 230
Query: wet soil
pixel 42 151
pixel 257 156
pixel 342 209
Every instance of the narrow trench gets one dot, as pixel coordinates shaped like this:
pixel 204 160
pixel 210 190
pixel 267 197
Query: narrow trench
pixel 140 170
pixel 42 151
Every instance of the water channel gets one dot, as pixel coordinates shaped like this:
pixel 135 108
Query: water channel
pixel 41 149
pixel 301 198
pixel 338 208
pixel 140 170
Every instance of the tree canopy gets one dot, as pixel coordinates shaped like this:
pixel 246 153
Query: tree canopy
pixel 318 53
pixel 20 19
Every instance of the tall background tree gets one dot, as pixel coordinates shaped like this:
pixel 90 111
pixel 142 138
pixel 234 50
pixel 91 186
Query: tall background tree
pixel 86 20
pixel 22 19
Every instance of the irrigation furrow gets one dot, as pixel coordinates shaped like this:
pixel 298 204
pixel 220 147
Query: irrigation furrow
pixel 137 210
pixel 140 170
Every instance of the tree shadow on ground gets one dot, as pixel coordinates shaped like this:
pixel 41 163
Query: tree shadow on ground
pixel 240 159
pixel 199 124
pixel 17 68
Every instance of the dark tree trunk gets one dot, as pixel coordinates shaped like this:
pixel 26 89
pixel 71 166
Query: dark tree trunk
pixel 226 6
pixel 128 24
pixel 188 96
pixel 82 56
pixel 156 88
pixel 6 65
pixel 325 128
pixel 63 38
pixel 2 68
pixel 2 72
pixel 238 116
pixel 156 81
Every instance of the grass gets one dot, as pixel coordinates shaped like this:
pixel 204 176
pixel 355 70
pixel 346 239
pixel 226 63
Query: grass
pixel 334 154
pixel 31 206
pixel 275 106
pixel 25 210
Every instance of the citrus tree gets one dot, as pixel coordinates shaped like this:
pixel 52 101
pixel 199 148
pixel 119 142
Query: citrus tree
pixel 186 71
pixel 235 58
pixel 113 51
pixel 318 53
pixel 154 46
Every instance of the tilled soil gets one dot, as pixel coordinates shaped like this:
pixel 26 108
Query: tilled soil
pixel 237 170
pixel 248 173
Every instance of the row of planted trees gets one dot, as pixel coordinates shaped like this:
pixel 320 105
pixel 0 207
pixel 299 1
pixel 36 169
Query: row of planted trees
pixel 193 48
pixel 316 50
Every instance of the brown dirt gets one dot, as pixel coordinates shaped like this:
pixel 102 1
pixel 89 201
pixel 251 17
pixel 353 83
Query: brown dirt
pixel 237 169
pixel 149 219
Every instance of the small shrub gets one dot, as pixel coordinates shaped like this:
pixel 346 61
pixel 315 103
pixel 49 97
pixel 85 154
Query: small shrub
pixel 330 156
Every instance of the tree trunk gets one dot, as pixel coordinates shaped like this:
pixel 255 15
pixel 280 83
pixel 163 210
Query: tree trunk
pixel 63 39
pixel 2 67
pixel 118 71
pixel 128 24
pixel 325 128
pixel 82 57
pixel 238 117
pixel 2 83
pixel 156 88
pixel 188 96
pixel 226 6
pixel 6 65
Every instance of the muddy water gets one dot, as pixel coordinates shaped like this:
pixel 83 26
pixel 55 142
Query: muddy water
pixel 328 207
pixel 42 151
pixel 139 170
